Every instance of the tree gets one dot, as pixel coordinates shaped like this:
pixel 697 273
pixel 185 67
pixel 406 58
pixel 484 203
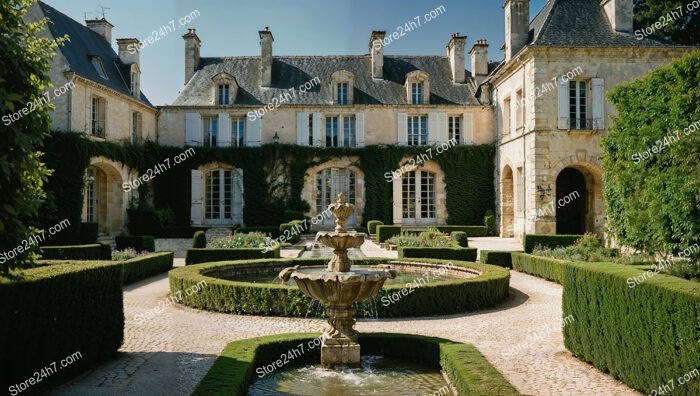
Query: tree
pixel 651 163
pixel 682 24
pixel 25 123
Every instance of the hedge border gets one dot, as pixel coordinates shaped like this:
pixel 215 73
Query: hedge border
pixel 208 255
pixel 138 243
pixel 501 258
pixel 143 267
pixel 457 253
pixel 385 232
pixel 92 251
pixel 468 370
pixel 548 241
pixel 444 297
pixel 543 267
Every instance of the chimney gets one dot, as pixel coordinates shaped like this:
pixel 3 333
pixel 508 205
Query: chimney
pixel 192 45
pixel 266 41
pixel 129 51
pixel 480 63
pixel 101 27
pixel 517 13
pixel 376 50
pixel 620 14
pixel 455 51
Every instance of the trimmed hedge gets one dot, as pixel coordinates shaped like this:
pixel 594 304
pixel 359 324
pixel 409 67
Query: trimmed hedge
pixel 105 251
pixel 199 241
pixel 54 311
pixel 138 243
pixel 372 226
pixel 543 267
pixel 442 297
pixel 197 256
pixel 460 237
pixel 470 373
pixel 182 232
pixel 291 231
pixel 88 233
pixel 385 232
pixel 548 241
pixel 273 231
pixel 79 252
pixel 645 334
pixel 472 231
pixel 146 266
pixel 462 254
pixel 499 258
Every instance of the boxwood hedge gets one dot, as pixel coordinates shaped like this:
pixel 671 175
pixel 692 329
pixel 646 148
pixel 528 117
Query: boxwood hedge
pixel 462 254
pixel 499 258
pixel 548 241
pixel 469 371
pixel 197 256
pixel 441 297
pixel 78 252
pixel 50 312
pixel 646 334
pixel 138 243
pixel 472 231
pixel 143 267
pixel 544 267
pixel 460 237
pixel 372 226
pixel 385 232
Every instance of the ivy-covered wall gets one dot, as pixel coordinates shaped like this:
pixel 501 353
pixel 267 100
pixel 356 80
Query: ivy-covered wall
pixel 273 177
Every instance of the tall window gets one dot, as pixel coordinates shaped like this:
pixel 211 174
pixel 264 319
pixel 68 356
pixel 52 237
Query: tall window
pixel 455 129
pixel 136 127
pixel 506 117
pixel 97 121
pixel 211 131
pixel 519 111
pixel 577 105
pixel 238 131
pixel 90 197
pixel 417 130
pixel 417 93
pixel 349 134
pixel 311 129
pixel 342 94
pixel 331 131
pixel 223 94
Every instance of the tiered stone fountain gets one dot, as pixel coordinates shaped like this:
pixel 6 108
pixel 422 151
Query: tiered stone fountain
pixel 339 287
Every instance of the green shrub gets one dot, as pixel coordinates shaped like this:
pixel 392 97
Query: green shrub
pixel 499 258
pixel 183 232
pixel 372 226
pixel 441 297
pixel 548 241
pixel 289 215
pixel 238 240
pixel 490 222
pixel 81 252
pixel 462 254
pixel 645 334
pixel 105 250
pixel 140 243
pixel 145 266
pixel 126 254
pixel 429 238
pixel 88 233
pixel 199 241
pixel 472 231
pixel 197 256
pixel 53 311
pixel 385 232
pixel 547 268
pixel 460 237
pixel 290 232
pixel 272 231
pixel 469 371
pixel 586 248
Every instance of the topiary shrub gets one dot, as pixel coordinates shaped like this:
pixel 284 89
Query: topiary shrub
pixel 372 226
pixel 290 232
pixel 79 252
pixel 548 241
pixel 289 215
pixel 105 250
pixel 197 256
pixel 490 222
pixel 385 232
pixel 88 233
pixel 199 241
pixel 138 243
pixel 499 258
pixel 462 254
pixel 460 237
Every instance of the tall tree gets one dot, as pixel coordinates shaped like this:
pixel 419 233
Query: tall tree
pixel 680 19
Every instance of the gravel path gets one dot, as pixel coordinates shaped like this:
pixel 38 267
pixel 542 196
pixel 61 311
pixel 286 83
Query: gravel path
pixel 170 353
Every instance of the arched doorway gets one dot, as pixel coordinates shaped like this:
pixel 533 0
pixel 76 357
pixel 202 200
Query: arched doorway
pixel 507 199
pixel 103 198
pixel 572 208
pixel 329 183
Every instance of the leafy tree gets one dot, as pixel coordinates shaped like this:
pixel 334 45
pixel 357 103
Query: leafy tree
pixel 651 163
pixel 25 61
pixel 682 27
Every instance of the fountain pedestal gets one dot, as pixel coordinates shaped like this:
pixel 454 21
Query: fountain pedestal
pixel 339 344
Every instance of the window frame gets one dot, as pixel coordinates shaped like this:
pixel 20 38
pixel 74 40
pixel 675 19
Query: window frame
pixel 417 133
pixel 578 119
pixel 207 123
pixel 452 121
pixel 341 93
pixel 334 132
pixel 223 94
pixel 98 116
pixel 417 93
pixel 238 131
pixel 99 67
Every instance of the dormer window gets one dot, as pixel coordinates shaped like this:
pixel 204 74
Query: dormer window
pixel 418 88
pixel 225 89
pixel 99 67
pixel 342 93
pixel 223 95
pixel 417 93
pixel 342 83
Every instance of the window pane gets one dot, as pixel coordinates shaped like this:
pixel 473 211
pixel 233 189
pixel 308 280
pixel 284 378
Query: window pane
pixel 349 132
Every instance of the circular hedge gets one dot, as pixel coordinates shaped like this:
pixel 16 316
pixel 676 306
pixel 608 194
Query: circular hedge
pixel 443 297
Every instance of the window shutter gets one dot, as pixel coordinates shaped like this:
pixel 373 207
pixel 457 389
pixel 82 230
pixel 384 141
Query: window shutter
pixel 402 129
pixel 360 129
pixel 467 129
pixel 433 128
pixel 443 132
pixel 341 132
pixel 237 201
pixel 598 108
pixel 193 129
pixel 563 99
pixel 196 199
pixel 224 130
pixel 252 136
pixel 303 129
pixel 318 142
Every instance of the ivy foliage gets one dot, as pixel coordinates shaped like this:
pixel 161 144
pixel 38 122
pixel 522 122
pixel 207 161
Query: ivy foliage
pixel 651 161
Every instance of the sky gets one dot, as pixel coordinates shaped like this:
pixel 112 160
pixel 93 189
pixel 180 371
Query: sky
pixel 299 27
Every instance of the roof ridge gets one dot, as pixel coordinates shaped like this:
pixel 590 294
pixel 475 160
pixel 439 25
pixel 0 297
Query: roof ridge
pixel 546 21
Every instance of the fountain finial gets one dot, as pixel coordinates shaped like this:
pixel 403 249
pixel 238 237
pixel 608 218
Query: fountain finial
pixel 341 198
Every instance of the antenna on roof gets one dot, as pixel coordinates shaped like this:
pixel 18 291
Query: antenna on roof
pixel 103 11
pixel 85 13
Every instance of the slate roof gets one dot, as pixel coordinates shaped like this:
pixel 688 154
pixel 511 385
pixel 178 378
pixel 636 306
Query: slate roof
pixel 85 43
pixel 294 71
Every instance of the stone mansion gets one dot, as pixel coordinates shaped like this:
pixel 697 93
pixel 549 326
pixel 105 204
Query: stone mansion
pixel 543 106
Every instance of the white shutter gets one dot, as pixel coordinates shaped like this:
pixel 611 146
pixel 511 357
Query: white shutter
pixel 193 129
pixel 433 128
pixel 598 108
pixel 360 129
pixel 224 130
pixel 252 135
pixel 341 132
pixel 237 198
pixel 443 132
pixel 317 130
pixel 563 108
pixel 196 199
pixel 303 129
pixel 467 129
pixel 402 128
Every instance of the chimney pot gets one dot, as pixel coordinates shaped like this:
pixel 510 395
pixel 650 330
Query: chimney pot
pixel 455 51
pixel 517 17
pixel 479 58
pixel 620 13
pixel 192 47
pixel 376 51
pixel 266 40
pixel 101 27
